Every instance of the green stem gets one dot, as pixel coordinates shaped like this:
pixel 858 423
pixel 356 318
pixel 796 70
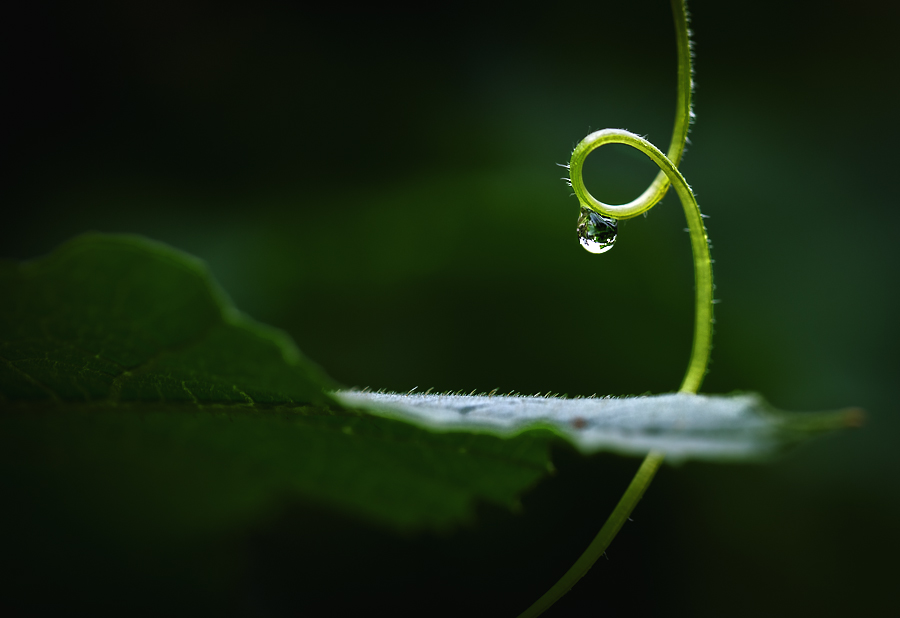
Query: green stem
pixel 703 282
pixel 607 533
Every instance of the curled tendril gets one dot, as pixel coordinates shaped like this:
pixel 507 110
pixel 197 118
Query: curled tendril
pixel 683 116
pixel 703 301
pixel 667 176
pixel 703 315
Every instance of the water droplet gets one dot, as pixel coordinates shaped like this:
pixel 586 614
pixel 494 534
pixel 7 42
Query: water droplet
pixel 596 233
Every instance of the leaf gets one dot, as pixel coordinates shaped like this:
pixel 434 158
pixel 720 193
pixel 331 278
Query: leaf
pixel 681 425
pixel 130 381
pixel 122 318
pixel 211 468
pixel 119 353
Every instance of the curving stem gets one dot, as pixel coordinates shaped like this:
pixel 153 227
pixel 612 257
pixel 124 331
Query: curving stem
pixel 703 300
pixel 607 533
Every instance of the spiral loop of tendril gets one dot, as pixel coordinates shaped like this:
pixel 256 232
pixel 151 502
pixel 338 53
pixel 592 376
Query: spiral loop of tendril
pixel 669 175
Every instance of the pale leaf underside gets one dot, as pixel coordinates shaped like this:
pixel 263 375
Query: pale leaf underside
pixel 683 426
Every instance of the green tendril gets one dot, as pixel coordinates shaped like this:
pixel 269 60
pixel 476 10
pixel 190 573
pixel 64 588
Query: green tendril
pixel 683 116
pixel 703 300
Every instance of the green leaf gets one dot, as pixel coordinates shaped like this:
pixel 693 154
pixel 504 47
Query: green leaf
pixel 119 353
pixel 130 381
pixel 122 318
pixel 222 465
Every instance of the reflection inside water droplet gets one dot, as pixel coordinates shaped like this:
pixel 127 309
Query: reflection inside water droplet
pixel 596 233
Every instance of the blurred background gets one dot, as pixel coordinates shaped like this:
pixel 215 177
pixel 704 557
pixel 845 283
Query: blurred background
pixel 383 186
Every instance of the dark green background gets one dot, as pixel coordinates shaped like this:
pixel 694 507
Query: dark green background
pixel 383 187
